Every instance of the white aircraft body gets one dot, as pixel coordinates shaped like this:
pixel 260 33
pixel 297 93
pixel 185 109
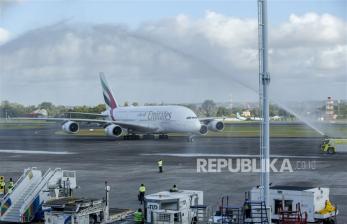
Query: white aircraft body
pixel 148 120
pixel 155 119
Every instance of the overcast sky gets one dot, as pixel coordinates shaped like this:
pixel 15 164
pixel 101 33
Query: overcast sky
pixel 173 52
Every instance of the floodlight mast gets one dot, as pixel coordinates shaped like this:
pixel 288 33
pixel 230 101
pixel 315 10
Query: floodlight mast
pixel 264 81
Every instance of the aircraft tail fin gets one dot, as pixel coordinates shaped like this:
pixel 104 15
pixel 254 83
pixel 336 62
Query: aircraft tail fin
pixel 107 92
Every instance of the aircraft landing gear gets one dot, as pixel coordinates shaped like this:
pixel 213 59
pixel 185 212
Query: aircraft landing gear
pixel 190 138
pixel 148 137
pixel 162 136
pixel 131 137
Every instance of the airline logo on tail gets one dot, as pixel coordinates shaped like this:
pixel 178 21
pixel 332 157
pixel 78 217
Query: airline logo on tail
pixel 108 96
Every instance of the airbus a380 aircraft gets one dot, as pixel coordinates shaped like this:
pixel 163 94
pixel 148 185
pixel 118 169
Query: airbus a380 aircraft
pixel 147 120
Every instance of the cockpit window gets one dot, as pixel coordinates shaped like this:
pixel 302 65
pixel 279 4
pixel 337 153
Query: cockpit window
pixel 191 118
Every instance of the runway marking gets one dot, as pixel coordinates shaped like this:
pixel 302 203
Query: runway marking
pixel 223 155
pixel 36 152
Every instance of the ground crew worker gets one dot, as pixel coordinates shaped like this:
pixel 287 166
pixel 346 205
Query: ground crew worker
pixel 138 216
pixel 68 187
pixel 174 188
pixel 142 191
pixel 160 166
pixel 2 186
pixel 247 209
pixel 10 185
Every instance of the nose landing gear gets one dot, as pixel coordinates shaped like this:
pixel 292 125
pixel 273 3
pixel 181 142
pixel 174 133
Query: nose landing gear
pixel 148 137
pixel 163 136
pixel 131 137
pixel 190 138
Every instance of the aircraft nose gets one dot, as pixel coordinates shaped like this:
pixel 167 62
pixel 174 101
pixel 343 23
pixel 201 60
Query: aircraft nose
pixel 197 125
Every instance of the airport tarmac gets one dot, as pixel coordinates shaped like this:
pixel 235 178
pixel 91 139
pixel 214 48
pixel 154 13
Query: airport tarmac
pixel 127 164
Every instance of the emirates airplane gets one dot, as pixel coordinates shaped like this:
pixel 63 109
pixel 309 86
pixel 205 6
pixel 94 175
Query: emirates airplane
pixel 148 121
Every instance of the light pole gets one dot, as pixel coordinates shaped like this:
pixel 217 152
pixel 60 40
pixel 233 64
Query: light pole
pixel 264 81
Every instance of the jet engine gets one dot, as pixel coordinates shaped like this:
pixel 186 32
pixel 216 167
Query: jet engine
pixel 203 129
pixel 216 125
pixel 114 130
pixel 70 127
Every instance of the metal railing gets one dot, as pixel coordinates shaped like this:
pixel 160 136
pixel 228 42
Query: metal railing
pixel 29 199
pixel 20 179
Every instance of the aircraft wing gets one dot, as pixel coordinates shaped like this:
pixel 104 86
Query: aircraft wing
pixel 123 124
pixel 209 119
pixel 82 113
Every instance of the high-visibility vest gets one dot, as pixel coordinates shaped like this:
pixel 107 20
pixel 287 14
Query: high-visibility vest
pixel 2 187
pixel 138 217
pixel 174 189
pixel 142 189
pixel 10 185
pixel 160 163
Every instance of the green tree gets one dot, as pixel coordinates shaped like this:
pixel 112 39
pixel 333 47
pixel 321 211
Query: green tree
pixel 255 112
pixel 208 108
pixel 193 107
pixel 222 111
pixel 99 108
pixel 342 110
pixel 46 105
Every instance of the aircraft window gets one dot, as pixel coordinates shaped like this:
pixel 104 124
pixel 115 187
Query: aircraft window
pixel 189 117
